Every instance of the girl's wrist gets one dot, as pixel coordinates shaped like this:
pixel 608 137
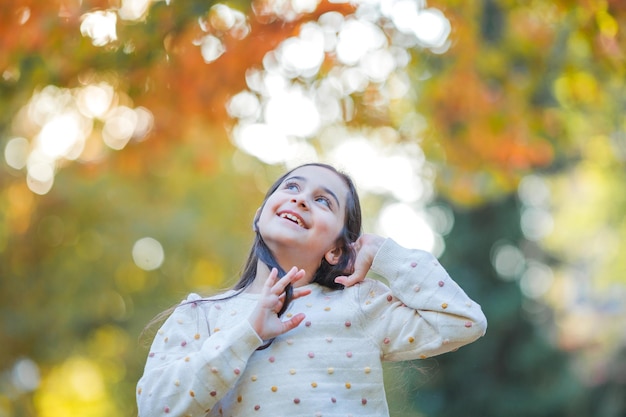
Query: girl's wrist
pixel 372 243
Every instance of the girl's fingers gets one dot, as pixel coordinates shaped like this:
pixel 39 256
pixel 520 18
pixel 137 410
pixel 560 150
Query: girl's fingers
pixel 271 279
pixel 272 285
pixel 291 276
pixel 346 281
pixel 297 293
pixel 293 322
pixel 358 275
pixel 365 249
pixel 301 293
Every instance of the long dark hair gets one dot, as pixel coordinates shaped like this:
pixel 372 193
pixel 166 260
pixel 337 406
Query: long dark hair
pixel 326 273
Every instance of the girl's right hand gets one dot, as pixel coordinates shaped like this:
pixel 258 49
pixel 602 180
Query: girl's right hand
pixel 264 318
pixel 366 248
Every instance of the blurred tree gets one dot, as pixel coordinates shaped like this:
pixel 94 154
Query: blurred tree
pixel 515 370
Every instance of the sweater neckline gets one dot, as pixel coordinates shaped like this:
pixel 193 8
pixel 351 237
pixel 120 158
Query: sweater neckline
pixel 313 286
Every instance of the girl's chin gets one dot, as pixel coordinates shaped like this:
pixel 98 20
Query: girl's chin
pixel 284 230
pixel 283 240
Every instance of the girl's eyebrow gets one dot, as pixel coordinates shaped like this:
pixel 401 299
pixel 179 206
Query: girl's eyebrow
pixel 325 189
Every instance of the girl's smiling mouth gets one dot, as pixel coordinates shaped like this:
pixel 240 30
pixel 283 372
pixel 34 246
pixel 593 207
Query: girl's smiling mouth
pixel 292 217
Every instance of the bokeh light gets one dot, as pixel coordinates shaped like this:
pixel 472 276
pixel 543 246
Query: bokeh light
pixel 409 228
pixel 134 9
pixel 536 223
pixel 16 152
pixel 293 112
pixel 148 253
pixel 302 55
pixel 432 29
pixel 264 141
pixel 76 384
pixel 536 280
pixel 119 127
pixel 56 125
pixel 508 260
pixel 25 375
pixel 356 39
pixel 100 26
pixel 211 48
pixel 398 170
pixel 95 100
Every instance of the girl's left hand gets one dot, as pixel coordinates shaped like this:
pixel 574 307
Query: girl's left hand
pixel 264 318
pixel 366 248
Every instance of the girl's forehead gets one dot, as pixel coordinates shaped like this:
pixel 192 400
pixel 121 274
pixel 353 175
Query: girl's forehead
pixel 321 177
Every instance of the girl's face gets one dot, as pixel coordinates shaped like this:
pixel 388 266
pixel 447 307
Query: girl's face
pixel 305 214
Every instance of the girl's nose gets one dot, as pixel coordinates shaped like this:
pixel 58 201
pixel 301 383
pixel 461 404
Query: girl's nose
pixel 300 201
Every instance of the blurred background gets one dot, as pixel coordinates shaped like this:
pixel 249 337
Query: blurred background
pixel 139 136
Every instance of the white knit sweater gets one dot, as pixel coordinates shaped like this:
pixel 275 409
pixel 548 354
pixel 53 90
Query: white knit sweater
pixel 204 361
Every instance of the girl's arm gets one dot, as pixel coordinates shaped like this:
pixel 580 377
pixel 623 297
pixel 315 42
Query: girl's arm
pixel 188 370
pixel 424 312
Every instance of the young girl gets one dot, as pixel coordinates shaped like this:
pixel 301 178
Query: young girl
pixel 304 332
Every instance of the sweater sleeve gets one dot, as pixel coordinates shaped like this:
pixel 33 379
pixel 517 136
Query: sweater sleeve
pixel 424 312
pixel 189 369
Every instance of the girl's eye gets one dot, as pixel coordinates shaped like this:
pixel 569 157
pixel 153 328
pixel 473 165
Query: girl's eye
pixel 292 186
pixel 324 201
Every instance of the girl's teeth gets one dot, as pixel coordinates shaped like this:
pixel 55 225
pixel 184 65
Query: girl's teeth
pixel 292 218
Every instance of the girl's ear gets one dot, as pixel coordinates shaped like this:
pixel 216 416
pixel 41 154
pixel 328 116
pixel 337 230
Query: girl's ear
pixel 334 255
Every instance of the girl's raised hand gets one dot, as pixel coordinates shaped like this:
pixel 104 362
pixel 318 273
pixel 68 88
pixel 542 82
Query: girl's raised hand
pixel 264 318
pixel 366 247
